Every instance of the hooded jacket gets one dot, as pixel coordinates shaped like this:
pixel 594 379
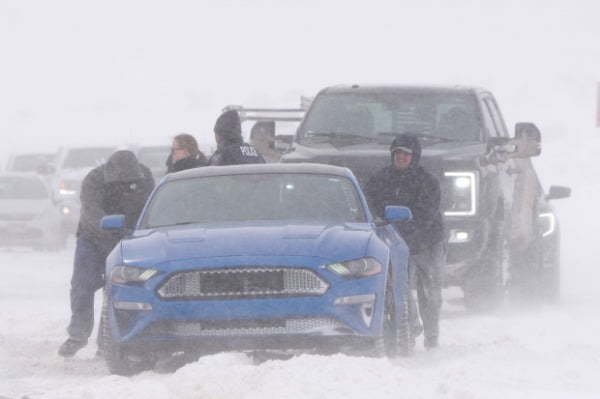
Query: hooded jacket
pixel 414 188
pixel 232 150
pixel 119 186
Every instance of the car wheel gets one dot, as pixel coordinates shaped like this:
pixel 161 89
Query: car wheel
pixel 484 288
pixel 395 340
pixel 117 358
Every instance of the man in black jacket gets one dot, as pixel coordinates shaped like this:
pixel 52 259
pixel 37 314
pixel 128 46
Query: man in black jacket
pixel 231 149
pixel 406 183
pixel 119 186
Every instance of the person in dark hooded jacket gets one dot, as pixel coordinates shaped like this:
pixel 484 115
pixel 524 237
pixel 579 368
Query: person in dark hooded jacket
pixel 231 148
pixel 407 183
pixel 185 154
pixel 119 186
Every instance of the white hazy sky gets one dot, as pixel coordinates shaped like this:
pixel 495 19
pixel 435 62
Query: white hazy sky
pixel 116 71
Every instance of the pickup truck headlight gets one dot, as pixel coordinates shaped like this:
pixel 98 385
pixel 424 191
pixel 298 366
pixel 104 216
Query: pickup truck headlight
pixel 128 274
pixel 462 191
pixel 547 223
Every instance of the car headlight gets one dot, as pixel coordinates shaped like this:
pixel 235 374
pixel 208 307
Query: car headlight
pixel 461 190
pixel 130 274
pixel 356 268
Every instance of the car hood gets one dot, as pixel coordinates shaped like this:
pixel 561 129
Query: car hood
pixel 335 241
pixel 364 159
pixel 446 150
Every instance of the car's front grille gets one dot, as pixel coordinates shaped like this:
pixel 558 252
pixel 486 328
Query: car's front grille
pixel 232 328
pixel 247 282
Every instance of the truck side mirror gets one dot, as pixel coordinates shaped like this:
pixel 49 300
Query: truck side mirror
pixel 528 140
pixel 558 192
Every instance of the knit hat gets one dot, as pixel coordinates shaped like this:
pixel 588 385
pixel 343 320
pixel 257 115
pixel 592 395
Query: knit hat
pixel 228 124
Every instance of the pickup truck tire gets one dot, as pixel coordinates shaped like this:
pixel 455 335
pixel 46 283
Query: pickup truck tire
pixel 550 273
pixel 484 288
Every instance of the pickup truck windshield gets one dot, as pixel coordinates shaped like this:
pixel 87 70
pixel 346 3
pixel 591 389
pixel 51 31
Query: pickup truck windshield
pixel 379 116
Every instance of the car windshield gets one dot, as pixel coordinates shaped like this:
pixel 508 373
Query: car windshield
pixel 30 162
pixel 380 116
pixel 21 188
pixel 86 157
pixel 255 197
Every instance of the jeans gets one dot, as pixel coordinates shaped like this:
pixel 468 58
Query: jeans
pixel 88 277
pixel 425 272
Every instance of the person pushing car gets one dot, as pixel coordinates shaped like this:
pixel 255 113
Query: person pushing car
pixel 119 186
pixel 407 183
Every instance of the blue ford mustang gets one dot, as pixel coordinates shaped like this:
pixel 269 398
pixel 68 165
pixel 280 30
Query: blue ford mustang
pixel 255 257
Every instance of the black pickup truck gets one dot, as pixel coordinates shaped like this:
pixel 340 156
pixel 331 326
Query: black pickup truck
pixel 501 230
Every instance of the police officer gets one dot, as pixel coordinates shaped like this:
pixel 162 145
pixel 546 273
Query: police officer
pixel 231 148
pixel 406 183
pixel 119 186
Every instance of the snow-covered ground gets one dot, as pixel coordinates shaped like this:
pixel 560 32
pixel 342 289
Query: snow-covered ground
pixel 552 352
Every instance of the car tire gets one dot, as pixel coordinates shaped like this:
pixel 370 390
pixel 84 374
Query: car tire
pixel 484 288
pixel 117 358
pixel 395 337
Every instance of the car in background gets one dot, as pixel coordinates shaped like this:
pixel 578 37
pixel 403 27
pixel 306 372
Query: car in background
pixel 154 157
pixel 28 216
pixel 30 162
pixel 299 264
pixel 71 166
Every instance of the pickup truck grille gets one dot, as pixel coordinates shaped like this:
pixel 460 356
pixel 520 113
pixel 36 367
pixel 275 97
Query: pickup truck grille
pixel 246 282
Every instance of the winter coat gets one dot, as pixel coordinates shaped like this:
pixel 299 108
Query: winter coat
pixel 117 187
pixel 233 151
pixel 416 189
pixel 193 161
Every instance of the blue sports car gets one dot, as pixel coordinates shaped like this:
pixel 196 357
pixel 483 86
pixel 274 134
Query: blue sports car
pixel 251 258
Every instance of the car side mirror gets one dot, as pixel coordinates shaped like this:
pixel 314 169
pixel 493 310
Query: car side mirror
pixel 113 222
pixel 558 192
pixel 394 213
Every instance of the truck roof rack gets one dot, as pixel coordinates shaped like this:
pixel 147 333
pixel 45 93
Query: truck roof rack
pixel 269 114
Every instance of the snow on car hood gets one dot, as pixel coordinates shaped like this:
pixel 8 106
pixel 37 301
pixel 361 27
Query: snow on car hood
pixel 160 245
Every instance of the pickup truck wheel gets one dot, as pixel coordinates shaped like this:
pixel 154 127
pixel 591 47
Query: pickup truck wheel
pixel 484 288
pixel 550 272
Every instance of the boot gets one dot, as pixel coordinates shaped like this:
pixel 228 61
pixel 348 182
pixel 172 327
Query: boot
pixel 70 347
